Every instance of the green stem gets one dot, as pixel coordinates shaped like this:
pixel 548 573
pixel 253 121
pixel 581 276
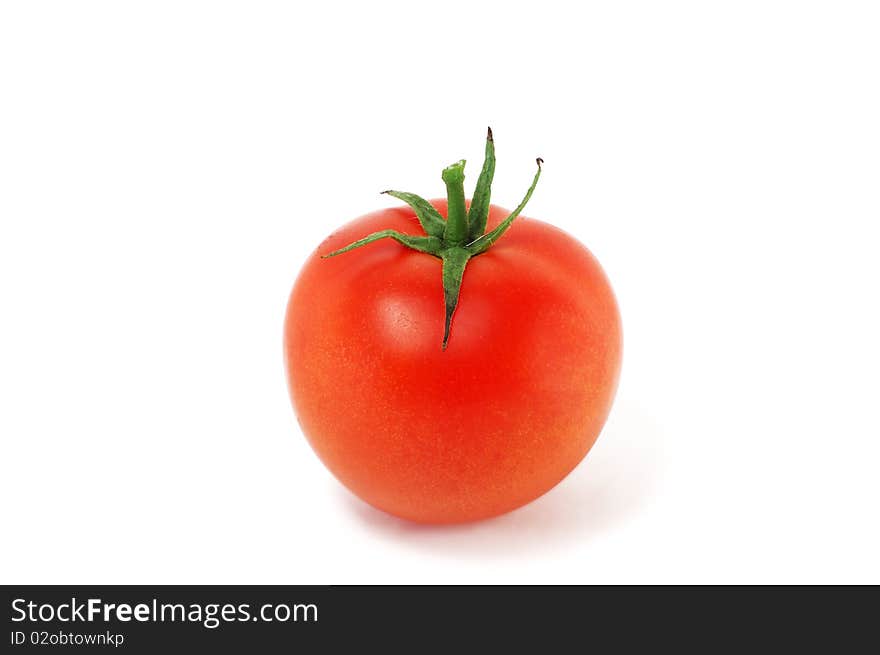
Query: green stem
pixel 460 236
pixel 430 245
pixel 479 211
pixel 454 261
pixel 429 218
pixel 456 216
pixel 484 242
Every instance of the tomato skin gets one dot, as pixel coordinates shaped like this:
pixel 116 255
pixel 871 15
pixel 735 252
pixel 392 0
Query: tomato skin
pixel 497 419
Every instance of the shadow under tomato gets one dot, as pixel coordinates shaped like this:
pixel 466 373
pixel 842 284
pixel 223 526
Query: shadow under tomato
pixel 610 486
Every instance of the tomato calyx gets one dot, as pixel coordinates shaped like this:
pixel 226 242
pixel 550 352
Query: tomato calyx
pixel 459 236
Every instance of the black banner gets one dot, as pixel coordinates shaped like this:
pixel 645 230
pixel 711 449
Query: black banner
pixel 173 619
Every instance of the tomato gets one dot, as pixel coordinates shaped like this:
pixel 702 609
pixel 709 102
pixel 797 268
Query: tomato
pixel 495 419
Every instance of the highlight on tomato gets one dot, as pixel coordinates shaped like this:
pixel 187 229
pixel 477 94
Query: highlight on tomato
pixel 449 360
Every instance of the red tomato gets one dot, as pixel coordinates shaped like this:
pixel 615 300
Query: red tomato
pixel 496 419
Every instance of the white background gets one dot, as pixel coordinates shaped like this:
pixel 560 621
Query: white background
pixel 166 167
